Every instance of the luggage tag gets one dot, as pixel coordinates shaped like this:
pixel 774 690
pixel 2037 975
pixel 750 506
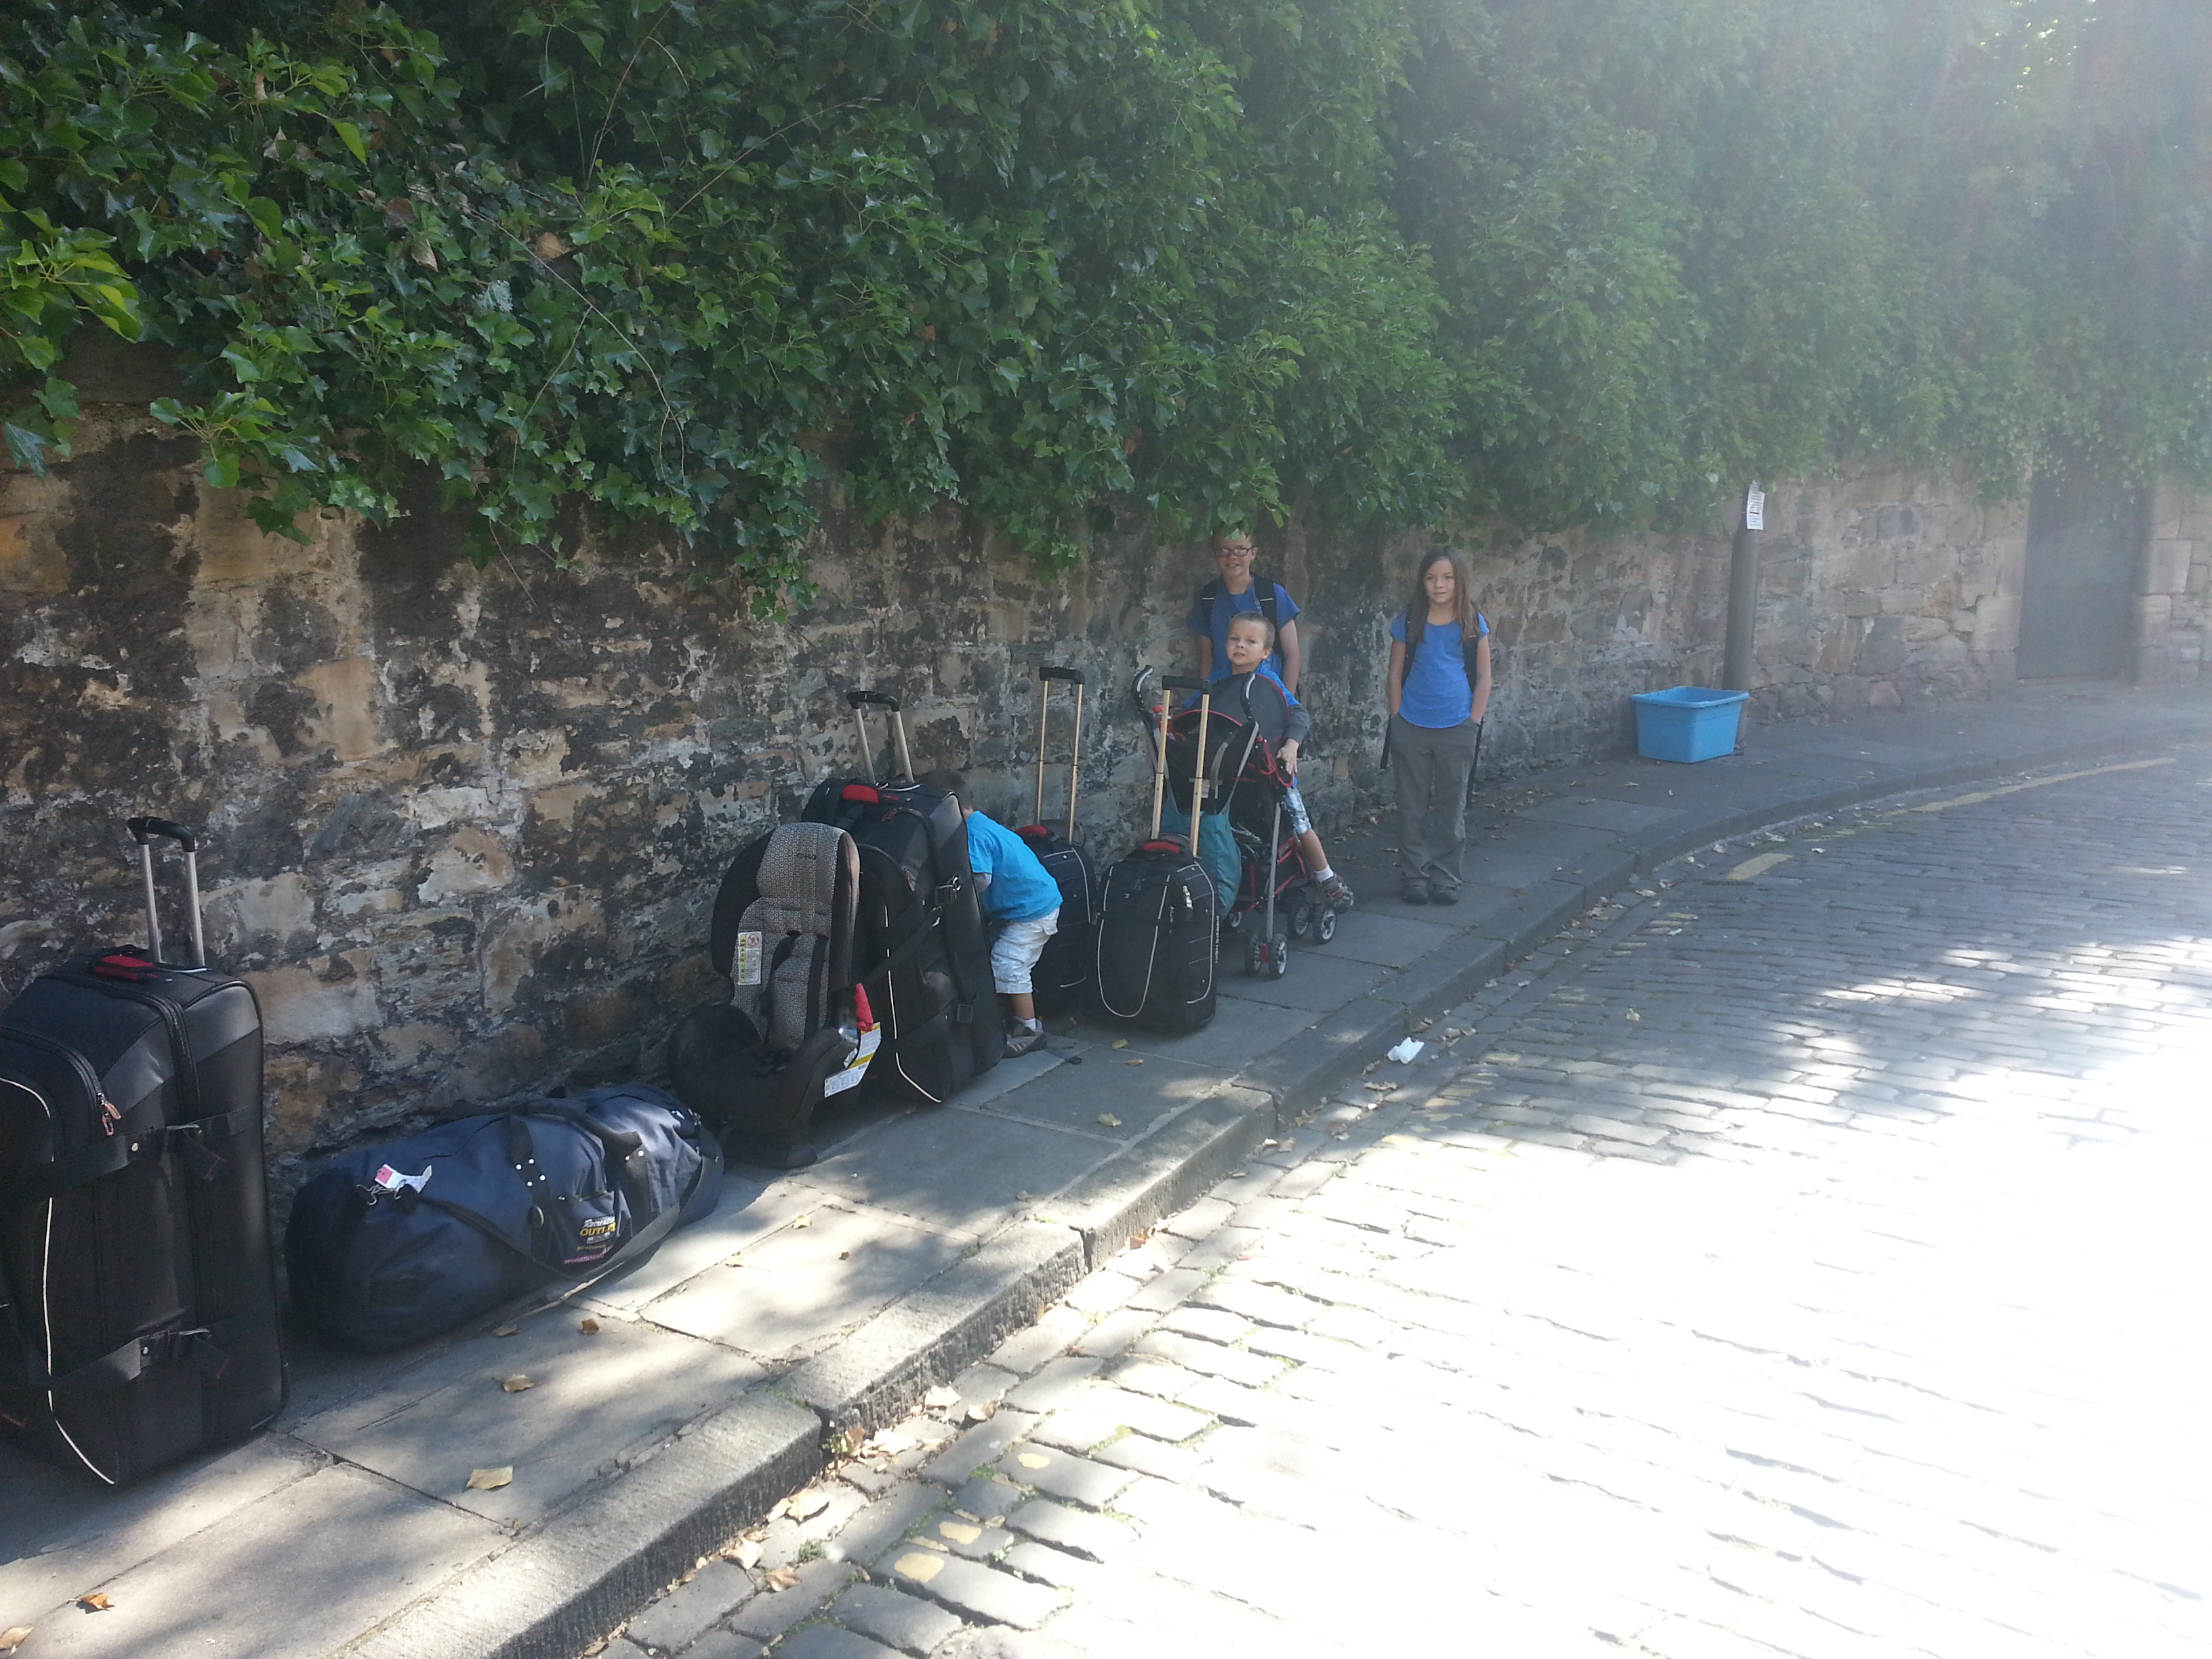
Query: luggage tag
pixel 856 1064
pixel 389 1180
pixel 745 966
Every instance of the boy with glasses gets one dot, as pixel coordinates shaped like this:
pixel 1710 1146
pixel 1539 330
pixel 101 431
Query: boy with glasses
pixel 1234 592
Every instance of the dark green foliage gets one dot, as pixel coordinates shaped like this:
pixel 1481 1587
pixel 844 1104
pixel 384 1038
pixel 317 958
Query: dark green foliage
pixel 672 265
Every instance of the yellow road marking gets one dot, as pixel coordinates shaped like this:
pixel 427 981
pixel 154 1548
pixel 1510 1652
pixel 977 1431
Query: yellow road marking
pixel 1981 795
pixel 1751 869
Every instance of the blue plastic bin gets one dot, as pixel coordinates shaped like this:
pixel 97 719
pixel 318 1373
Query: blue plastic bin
pixel 1687 723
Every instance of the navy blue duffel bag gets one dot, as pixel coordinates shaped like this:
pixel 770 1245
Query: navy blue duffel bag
pixel 390 1244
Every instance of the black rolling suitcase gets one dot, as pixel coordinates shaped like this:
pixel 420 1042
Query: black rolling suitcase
pixel 919 914
pixel 1064 969
pixel 138 1286
pixel 1154 959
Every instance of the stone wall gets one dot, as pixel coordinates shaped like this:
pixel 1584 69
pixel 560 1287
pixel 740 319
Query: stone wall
pixel 463 826
pixel 2176 607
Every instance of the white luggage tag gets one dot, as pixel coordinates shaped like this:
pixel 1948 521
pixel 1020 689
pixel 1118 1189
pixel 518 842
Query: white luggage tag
pixel 389 1180
pixel 856 1063
pixel 745 967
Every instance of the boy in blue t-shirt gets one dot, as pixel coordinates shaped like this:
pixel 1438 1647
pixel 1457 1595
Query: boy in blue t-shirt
pixel 1233 593
pixel 1021 906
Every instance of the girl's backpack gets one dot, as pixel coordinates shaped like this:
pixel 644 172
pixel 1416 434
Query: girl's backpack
pixel 797 1026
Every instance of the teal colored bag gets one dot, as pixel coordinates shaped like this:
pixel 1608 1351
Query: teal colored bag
pixel 1216 850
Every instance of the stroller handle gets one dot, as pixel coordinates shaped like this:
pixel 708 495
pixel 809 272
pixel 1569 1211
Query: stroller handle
pixel 1072 675
pixel 1185 683
pixel 881 699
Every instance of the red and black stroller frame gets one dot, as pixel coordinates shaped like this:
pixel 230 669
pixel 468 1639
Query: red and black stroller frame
pixel 1277 898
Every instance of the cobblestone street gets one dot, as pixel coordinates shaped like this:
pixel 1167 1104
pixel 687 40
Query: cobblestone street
pixel 1803 1256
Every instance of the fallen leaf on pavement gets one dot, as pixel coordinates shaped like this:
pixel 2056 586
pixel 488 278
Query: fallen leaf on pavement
pixel 95 1603
pixel 918 1567
pixel 507 1330
pixel 806 1505
pixel 14 1636
pixel 1121 1043
pixel 746 1554
pixel 1024 1197
pixel 803 1221
pixel 844 1255
pixel 516 1384
pixel 780 1578
pixel 1379 1088
pixel 983 1411
pixel 733 1261
pixel 1133 1062
pixel 491 1480
pixel 1108 1119
pixel 588 1327
pixel 939 1398
pixel 1632 1014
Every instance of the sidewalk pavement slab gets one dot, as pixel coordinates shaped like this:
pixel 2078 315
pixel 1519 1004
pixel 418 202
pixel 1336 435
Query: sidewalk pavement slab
pixel 826 1302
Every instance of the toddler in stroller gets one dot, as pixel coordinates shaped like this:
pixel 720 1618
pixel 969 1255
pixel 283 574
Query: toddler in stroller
pixel 1251 773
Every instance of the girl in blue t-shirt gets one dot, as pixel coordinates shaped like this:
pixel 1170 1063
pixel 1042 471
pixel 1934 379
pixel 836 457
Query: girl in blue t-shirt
pixel 1438 689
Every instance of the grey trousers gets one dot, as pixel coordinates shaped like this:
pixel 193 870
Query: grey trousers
pixel 1430 765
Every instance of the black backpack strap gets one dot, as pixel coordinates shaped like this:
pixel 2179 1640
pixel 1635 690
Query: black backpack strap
pixel 1263 585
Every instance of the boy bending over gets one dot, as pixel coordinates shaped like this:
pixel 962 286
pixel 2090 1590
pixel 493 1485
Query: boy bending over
pixel 1021 906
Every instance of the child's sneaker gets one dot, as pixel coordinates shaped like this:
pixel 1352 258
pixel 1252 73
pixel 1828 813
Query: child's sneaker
pixel 1336 894
pixel 1024 1036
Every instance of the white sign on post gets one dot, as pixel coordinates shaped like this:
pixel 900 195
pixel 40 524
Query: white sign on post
pixel 1754 508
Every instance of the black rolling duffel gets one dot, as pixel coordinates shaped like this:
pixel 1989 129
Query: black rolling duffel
pixel 1064 969
pixel 137 1284
pixel 939 1007
pixel 1160 918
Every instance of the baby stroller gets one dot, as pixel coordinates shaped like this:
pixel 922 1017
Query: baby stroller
pixel 1240 771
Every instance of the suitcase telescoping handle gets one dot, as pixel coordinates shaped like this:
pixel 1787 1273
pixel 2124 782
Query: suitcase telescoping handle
pixel 146 832
pixel 1205 689
pixel 1046 676
pixel 883 700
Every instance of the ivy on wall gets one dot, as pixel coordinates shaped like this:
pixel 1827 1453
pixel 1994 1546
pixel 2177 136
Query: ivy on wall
pixel 1062 262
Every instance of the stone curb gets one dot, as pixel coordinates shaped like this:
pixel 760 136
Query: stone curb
pixel 552 1595
pixel 1165 1172
pixel 562 1589
pixel 879 1374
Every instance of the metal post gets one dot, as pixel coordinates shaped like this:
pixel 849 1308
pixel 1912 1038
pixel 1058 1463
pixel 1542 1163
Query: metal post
pixel 1743 595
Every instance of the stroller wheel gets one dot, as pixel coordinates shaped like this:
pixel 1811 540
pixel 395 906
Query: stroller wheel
pixel 1279 956
pixel 1233 922
pixel 1325 925
pixel 1301 921
pixel 1255 955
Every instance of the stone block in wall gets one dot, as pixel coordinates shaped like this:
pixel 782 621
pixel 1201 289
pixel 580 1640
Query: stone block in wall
pixel 330 1000
pixel 1883 651
pixel 1997 623
pixel 2167 568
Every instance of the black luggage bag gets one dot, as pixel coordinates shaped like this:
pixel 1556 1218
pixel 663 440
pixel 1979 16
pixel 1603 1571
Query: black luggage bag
pixel 1064 968
pixel 918 914
pixel 137 1283
pixel 1159 920
pixel 394 1243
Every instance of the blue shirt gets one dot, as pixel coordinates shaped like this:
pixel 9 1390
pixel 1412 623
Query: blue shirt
pixel 1019 889
pixel 1437 693
pixel 1226 606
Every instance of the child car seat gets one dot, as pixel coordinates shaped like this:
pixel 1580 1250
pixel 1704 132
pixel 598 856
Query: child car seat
pixel 796 1028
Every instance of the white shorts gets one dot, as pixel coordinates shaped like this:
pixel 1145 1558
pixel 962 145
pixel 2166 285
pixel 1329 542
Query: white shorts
pixel 1015 949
